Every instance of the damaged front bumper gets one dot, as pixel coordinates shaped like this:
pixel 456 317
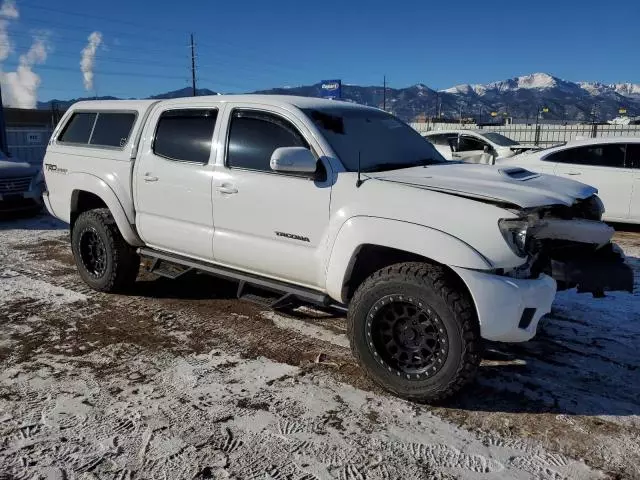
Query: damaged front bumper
pixel 603 270
pixel 578 253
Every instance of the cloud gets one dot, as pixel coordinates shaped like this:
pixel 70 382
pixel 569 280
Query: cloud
pixel 88 59
pixel 20 88
pixel 8 11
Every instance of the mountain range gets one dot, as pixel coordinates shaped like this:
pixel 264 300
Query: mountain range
pixel 518 97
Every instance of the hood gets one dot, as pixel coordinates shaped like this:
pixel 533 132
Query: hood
pixel 494 184
pixel 13 169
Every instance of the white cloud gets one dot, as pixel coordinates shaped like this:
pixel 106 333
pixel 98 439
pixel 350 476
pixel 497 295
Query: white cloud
pixel 20 88
pixel 88 59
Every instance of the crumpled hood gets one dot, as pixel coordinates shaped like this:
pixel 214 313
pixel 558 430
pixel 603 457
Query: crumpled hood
pixel 10 169
pixel 493 183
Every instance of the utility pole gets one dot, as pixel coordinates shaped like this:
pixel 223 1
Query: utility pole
pixel 193 67
pixel 384 93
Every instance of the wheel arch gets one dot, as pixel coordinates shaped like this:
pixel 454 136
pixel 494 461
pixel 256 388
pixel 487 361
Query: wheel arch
pixel 354 256
pixel 95 193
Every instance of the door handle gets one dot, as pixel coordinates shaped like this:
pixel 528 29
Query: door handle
pixel 227 189
pixel 150 178
pixel 573 173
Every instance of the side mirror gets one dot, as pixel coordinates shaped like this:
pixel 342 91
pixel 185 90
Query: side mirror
pixel 486 149
pixel 293 159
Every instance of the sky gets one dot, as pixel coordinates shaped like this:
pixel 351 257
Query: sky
pixel 244 45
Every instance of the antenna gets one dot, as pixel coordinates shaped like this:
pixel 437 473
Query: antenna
pixel 359 181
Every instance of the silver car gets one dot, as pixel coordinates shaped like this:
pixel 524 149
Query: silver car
pixel 21 186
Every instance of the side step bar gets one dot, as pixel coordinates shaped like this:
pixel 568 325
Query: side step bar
pixel 173 266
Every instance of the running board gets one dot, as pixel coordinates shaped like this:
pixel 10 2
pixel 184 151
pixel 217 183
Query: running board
pixel 172 266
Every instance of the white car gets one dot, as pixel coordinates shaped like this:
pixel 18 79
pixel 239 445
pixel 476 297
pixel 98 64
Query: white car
pixel 612 165
pixel 328 202
pixel 474 147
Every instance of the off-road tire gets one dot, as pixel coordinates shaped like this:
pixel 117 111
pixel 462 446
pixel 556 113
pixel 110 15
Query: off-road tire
pixel 122 262
pixel 439 290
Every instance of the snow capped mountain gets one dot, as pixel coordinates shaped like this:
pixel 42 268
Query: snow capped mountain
pixel 627 89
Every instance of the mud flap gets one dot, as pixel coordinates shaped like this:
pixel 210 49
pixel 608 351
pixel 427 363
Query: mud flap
pixel 603 271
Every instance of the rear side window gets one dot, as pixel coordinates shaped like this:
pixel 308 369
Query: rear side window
pixel 633 155
pixel 606 155
pixel 254 136
pixel 112 129
pixel 185 135
pixel 100 129
pixel 78 130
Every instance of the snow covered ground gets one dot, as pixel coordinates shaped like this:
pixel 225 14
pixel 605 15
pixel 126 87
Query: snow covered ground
pixel 179 380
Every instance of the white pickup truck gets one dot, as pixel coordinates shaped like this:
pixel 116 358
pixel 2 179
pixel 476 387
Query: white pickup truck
pixel 329 203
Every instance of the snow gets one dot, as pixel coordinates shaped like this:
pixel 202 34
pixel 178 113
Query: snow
pixel 122 411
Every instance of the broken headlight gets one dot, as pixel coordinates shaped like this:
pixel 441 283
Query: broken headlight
pixel 514 232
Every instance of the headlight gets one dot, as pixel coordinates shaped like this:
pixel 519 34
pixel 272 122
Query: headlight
pixel 514 232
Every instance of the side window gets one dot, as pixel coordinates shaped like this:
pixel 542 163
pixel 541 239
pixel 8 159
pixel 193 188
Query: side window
pixel 633 155
pixel 470 144
pixel 78 129
pixel 253 137
pixel 185 135
pixel 607 155
pixel 112 129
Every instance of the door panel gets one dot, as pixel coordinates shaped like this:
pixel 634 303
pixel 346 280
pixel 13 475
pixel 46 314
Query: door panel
pixel 173 183
pixel 603 167
pixel 268 223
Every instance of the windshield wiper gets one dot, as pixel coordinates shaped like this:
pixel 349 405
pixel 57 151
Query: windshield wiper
pixel 380 167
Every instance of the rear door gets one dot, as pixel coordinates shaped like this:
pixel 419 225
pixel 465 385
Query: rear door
pixel 633 160
pixel 173 179
pixel 602 166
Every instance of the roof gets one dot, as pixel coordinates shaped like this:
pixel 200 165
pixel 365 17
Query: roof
pixel 599 140
pixel 274 100
pixel 450 132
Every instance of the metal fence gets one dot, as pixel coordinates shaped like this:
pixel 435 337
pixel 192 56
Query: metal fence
pixel 542 134
pixel 28 144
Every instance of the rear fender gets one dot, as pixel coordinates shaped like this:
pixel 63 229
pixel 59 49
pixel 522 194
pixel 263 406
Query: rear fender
pixel 101 189
pixel 409 237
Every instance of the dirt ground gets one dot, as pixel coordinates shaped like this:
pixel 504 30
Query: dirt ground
pixel 178 379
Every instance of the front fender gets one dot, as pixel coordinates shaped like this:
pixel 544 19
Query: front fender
pixel 97 186
pixel 409 237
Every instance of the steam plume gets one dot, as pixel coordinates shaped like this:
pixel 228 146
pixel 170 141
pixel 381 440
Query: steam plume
pixel 88 59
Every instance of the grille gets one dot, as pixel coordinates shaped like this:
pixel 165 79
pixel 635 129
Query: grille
pixel 14 185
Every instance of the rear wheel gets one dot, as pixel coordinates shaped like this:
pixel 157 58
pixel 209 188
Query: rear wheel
pixel 414 331
pixel 104 260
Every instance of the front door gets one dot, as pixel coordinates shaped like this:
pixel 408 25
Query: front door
pixel 269 223
pixel 173 181
pixel 602 166
pixel 470 149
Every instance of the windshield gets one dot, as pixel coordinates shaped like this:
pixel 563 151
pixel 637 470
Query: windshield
pixel 499 139
pixel 382 141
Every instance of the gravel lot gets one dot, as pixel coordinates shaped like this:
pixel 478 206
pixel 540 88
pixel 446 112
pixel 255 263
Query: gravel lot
pixel 180 380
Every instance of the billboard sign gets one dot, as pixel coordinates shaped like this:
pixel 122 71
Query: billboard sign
pixel 331 89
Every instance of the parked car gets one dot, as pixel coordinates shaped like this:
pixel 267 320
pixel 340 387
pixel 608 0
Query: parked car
pixel 21 186
pixel 329 203
pixel 473 146
pixel 611 164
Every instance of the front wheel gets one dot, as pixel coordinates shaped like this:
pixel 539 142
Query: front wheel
pixel 104 260
pixel 414 330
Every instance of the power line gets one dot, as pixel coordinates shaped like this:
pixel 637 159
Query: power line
pixel 102 72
